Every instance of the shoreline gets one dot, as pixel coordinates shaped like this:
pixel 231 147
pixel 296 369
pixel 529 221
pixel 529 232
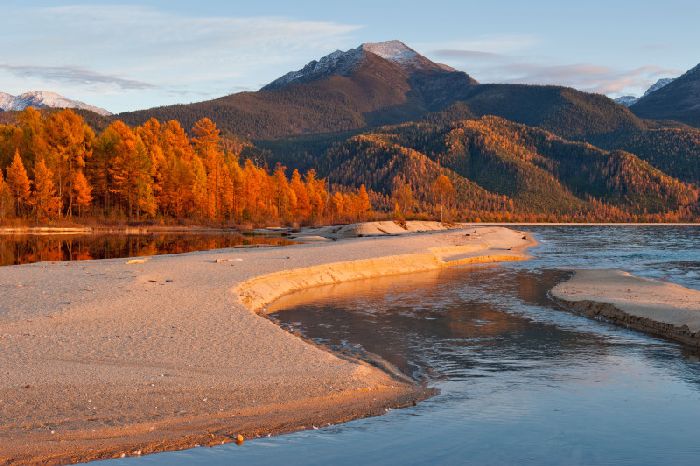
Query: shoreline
pixel 153 229
pixel 132 357
pixel 653 307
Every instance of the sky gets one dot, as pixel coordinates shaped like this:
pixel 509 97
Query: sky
pixel 129 55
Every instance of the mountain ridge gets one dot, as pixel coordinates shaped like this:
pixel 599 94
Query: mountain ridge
pixel 45 99
pixel 679 100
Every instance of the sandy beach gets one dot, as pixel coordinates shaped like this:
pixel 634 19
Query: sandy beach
pixel 659 308
pixel 121 357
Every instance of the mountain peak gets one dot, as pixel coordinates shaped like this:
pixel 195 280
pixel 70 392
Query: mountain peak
pixel 393 50
pixel 401 54
pixel 661 83
pixel 677 100
pixel 343 63
pixel 44 99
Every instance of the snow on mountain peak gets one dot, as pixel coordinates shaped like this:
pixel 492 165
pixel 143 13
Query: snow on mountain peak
pixel 393 50
pixel 401 54
pixel 342 63
pixel 627 100
pixel 44 99
pixel 6 100
pixel 338 62
pixel 663 82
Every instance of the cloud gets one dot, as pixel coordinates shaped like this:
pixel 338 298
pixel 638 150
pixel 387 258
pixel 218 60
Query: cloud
pixel 584 76
pixel 483 46
pixel 487 65
pixel 73 75
pixel 514 59
pixel 466 54
pixel 127 56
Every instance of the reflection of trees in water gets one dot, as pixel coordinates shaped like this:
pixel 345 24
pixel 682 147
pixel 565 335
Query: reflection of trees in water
pixel 23 249
pixel 445 324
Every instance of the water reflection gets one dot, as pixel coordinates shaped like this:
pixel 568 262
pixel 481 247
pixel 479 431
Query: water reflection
pixel 441 324
pixel 23 249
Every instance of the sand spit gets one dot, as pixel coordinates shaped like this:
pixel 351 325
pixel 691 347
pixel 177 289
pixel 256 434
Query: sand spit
pixel 659 308
pixel 105 358
pixel 380 228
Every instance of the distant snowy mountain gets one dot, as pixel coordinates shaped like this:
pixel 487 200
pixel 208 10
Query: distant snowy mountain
pixel 6 100
pixel 44 99
pixel 343 63
pixel 627 100
pixel 661 83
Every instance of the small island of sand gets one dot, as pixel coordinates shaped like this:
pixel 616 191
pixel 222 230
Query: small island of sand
pixel 659 308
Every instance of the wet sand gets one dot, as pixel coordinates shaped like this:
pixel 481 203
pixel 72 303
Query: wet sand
pixel 659 308
pixel 118 357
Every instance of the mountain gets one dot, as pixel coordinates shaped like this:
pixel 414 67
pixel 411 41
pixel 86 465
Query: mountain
pixel 44 99
pixel 629 100
pixel 500 165
pixel 562 110
pixel 299 118
pixel 678 100
pixel 6 101
pixel 344 63
pixel 388 82
pixel 371 85
pixel 626 100
pixel 663 82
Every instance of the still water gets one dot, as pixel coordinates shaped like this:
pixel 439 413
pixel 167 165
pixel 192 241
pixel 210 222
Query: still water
pixel 522 382
pixel 24 249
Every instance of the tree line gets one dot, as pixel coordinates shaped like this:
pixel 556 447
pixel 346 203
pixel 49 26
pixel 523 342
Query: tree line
pixel 54 166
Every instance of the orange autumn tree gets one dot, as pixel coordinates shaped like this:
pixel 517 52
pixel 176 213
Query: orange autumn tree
pixel 5 198
pixel 130 172
pixel 82 192
pixel 18 183
pixel 154 171
pixel 207 144
pixel 70 144
pixel 443 193
pixel 47 204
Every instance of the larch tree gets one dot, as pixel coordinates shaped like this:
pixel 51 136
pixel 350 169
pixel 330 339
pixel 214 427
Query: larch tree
pixel 200 198
pixel 82 192
pixel 302 210
pixel 283 193
pixel 207 144
pixel 363 203
pixel 402 196
pixel 46 203
pixel 18 182
pixel 70 142
pixel 5 198
pixel 129 170
pixel 443 193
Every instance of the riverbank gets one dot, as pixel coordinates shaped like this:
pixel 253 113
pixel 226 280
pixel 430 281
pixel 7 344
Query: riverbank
pixel 120 357
pixel 379 227
pixel 658 308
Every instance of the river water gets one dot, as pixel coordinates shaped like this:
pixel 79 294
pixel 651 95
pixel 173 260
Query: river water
pixel 521 381
pixel 28 248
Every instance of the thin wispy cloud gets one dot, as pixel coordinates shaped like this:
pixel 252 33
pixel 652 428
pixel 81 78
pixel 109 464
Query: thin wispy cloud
pixel 496 44
pixel 488 66
pixel 466 54
pixel 73 75
pixel 584 76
